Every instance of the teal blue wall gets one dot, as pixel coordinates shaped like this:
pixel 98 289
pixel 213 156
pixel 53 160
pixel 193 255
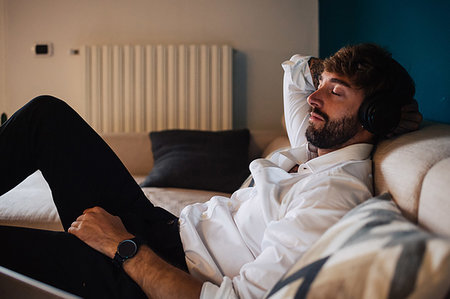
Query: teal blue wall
pixel 416 32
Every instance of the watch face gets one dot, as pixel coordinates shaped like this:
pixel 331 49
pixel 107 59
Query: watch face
pixel 127 249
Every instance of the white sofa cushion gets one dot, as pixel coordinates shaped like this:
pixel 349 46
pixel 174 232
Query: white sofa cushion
pixel 30 204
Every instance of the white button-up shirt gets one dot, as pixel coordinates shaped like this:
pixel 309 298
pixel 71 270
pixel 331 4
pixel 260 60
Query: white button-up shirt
pixel 241 246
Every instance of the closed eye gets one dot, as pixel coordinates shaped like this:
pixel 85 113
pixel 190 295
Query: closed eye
pixel 335 93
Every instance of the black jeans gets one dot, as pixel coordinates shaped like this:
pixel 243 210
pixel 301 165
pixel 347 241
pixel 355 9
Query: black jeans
pixel 82 172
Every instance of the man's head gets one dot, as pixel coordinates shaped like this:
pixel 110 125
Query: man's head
pixel 360 95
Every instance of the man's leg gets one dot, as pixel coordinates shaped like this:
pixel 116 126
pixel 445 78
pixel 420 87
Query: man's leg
pixel 82 172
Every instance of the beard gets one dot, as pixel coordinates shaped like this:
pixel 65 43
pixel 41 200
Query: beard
pixel 334 133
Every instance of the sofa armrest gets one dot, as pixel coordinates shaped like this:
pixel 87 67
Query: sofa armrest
pixel 401 164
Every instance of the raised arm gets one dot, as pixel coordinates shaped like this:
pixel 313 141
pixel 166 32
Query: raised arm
pixel 297 86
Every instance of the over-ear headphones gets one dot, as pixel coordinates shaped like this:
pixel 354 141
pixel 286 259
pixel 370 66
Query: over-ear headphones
pixel 379 114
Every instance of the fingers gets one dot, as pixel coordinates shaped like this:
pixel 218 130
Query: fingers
pixel 409 125
pixel 95 215
pixel 413 106
pixel 316 69
pixel 94 210
pixel 76 224
pixel 411 112
pixel 74 227
pixel 83 217
pixel 412 117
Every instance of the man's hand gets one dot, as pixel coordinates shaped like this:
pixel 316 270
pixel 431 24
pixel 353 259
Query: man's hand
pixel 409 121
pixel 103 232
pixel 100 230
pixel 316 69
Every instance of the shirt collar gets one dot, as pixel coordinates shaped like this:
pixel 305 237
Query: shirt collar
pixel 355 152
pixel 306 155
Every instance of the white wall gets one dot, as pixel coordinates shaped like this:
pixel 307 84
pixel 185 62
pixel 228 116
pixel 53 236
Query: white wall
pixel 264 33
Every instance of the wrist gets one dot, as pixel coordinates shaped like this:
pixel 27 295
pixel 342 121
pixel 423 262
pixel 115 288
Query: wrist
pixel 127 249
pixel 110 247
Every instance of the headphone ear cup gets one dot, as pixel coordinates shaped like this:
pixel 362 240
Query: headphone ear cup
pixel 379 114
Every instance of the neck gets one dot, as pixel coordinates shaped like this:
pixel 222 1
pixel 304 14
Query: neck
pixel 362 136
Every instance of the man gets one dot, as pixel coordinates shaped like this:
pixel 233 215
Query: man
pixel 227 247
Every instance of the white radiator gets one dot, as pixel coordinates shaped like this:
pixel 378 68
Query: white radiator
pixel 143 88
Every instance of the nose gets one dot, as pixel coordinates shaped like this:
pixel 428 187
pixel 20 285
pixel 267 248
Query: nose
pixel 315 99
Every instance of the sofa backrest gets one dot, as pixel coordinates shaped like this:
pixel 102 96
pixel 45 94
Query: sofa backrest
pixel 135 149
pixel 415 169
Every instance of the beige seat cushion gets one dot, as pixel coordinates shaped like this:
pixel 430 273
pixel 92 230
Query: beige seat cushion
pixel 175 199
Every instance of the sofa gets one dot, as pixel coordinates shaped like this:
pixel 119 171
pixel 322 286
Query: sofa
pixel 365 255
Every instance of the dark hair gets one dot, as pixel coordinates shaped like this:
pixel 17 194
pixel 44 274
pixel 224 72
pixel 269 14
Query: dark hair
pixel 372 68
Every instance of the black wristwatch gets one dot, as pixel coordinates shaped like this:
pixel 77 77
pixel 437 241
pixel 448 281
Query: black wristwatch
pixel 126 250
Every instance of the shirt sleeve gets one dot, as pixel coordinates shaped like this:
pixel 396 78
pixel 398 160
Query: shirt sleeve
pixel 297 86
pixel 305 218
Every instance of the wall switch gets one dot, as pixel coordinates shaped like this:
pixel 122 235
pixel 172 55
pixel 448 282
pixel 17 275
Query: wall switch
pixel 43 49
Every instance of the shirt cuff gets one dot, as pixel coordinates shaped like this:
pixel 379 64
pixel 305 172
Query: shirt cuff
pixel 211 291
pixel 298 73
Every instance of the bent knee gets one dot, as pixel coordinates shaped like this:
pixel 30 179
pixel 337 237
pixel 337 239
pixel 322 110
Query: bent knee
pixel 46 100
pixel 48 103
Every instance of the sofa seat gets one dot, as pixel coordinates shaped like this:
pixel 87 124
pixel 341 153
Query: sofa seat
pixel 30 203
pixel 164 197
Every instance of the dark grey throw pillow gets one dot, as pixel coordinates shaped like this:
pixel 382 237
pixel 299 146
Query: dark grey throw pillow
pixel 205 160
